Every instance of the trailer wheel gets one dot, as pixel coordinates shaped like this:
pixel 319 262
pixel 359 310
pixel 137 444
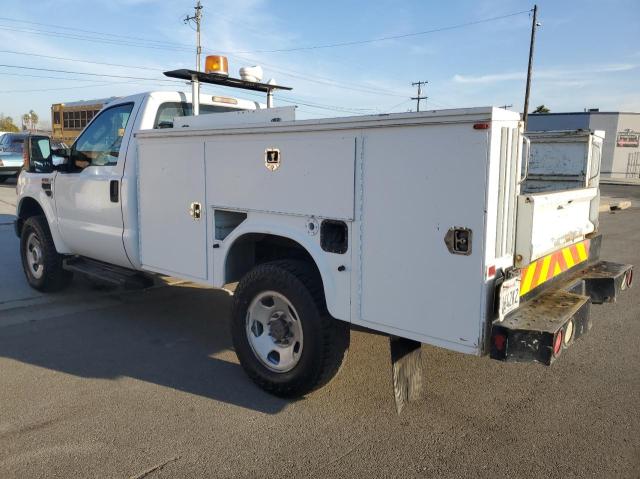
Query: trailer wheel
pixel 285 339
pixel 41 262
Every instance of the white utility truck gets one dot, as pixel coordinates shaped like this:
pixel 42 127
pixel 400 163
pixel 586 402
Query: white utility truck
pixel 409 224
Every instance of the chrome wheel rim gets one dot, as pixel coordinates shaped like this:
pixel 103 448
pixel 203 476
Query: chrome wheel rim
pixel 35 260
pixel 274 331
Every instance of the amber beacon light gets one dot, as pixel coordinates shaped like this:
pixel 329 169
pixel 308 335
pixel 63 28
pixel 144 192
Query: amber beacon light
pixel 216 64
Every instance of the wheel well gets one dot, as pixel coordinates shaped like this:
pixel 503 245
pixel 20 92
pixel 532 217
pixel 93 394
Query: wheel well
pixel 252 249
pixel 28 208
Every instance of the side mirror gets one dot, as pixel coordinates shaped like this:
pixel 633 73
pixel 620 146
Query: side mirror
pixel 37 154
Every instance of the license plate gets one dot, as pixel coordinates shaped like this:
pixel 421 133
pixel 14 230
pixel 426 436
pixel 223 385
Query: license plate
pixel 509 297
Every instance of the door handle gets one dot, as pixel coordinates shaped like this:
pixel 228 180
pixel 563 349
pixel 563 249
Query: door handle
pixel 114 190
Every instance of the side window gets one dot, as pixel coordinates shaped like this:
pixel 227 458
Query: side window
pixel 167 112
pixel 99 144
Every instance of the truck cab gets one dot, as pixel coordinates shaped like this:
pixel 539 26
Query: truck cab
pixel 90 201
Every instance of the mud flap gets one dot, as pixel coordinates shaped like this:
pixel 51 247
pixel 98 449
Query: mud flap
pixel 406 364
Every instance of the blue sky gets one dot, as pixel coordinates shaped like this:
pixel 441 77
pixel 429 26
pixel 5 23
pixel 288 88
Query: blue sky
pixel 587 52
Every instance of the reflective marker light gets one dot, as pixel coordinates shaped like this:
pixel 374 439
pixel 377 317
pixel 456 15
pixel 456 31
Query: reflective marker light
pixel 216 64
pixel 491 271
pixel 568 333
pixel 481 126
pixel 557 343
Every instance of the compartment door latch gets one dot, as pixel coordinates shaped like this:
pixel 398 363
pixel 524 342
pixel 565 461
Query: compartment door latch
pixel 458 240
pixel 195 210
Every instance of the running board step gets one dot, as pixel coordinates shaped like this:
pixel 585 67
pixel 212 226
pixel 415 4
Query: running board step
pixel 108 273
pixel 540 329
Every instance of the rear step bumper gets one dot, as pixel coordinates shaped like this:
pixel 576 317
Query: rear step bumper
pixel 542 328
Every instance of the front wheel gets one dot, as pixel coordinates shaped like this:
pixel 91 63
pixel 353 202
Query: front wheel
pixel 41 262
pixel 284 337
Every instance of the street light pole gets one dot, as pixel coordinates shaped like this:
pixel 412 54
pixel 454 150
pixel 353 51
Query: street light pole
pixel 534 26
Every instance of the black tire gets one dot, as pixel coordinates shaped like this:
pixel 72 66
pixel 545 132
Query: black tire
pixel 326 340
pixel 52 277
pixel 4 178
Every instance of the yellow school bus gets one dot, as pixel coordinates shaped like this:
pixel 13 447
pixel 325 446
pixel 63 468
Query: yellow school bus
pixel 69 119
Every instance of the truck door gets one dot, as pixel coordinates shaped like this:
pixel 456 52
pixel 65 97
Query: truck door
pixel 88 200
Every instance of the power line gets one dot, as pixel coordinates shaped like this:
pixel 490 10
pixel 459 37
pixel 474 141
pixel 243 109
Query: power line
pixel 382 39
pixel 74 36
pixel 37 90
pixel 89 74
pixel 22 75
pixel 319 80
pixel 39 55
pixel 388 110
pixel 93 32
pixel 291 100
pixel 278 50
pixel 185 47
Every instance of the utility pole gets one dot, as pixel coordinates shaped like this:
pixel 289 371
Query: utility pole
pixel 534 26
pixel 197 18
pixel 419 97
pixel 195 83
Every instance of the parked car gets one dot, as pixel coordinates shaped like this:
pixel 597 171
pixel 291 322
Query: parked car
pixel 11 159
pixel 11 154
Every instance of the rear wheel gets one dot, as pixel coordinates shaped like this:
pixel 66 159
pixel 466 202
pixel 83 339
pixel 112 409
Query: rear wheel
pixel 4 178
pixel 283 335
pixel 41 262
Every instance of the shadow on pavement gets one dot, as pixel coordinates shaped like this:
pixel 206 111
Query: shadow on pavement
pixel 167 336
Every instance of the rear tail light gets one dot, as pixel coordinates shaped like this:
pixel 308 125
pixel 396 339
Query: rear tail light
pixel 629 278
pixel 557 343
pixel 500 342
pixel 481 126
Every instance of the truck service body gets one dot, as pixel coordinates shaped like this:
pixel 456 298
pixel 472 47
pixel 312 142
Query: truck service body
pixel 409 224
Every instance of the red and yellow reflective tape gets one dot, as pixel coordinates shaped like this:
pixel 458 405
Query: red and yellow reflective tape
pixel 552 265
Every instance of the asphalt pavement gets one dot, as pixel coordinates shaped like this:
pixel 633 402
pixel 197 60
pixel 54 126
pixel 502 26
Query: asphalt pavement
pixel 98 383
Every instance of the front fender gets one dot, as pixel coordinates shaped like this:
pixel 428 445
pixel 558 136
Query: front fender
pixel 30 193
pixel 337 284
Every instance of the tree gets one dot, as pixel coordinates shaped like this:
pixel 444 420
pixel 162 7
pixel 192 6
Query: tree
pixel 30 120
pixel 6 123
pixel 541 109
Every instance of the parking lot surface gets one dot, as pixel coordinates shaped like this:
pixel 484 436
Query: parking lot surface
pixel 98 383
